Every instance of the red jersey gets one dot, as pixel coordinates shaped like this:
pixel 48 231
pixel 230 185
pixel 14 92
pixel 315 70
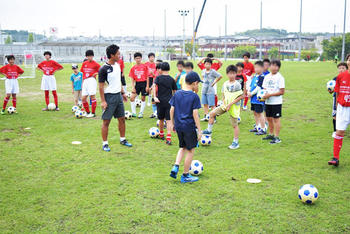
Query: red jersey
pixel 342 88
pixel 89 69
pixel 121 64
pixel 151 69
pixel 49 67
pixel 139 73
pixel 248 69
pixel 11 71
pixel 215 66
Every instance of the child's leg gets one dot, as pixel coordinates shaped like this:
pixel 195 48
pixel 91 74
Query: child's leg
pixel 169 129
pixel 234 123
pixel 188 160
pixel 47 97
pixel 143 104
pixel 245 101
pixel 14 100
pixel 93 103
pixel 206 109
pixel 271 127
pixel 256 120
pixel 132 103
pixel 161 128
pixel 54 93
pixel 276 126
pixel 212 115
pixel 334 124
pixel 180 155
pixel 338 143
pixel 86 104
pixel 261 120
pixel 6 100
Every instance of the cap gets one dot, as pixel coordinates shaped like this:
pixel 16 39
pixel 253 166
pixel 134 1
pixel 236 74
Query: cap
pixel 74 66
pixel 192 77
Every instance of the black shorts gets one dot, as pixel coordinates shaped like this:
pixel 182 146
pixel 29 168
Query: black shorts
pixel 115 106
pixel 163 111
pixel 123 80
pixel 140 87
pixel 274 111
pixel 150 80
pixel 258 108
pixel 188 139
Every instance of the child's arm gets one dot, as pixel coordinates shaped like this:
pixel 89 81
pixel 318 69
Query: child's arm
pixel 219 61
pixel 172 110
pixel 155 93
pixel 198 125
pixel 216 81
pixel 72 86
pixel 279 93
pixel 240 97
pixel 177 76
pixel 147 84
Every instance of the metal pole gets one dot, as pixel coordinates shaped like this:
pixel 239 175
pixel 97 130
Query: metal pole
pixel 183 14
pixel 194 43
pixel 260 50
pixel 301 13
pixel 225 32
pixel 343 46
pixel 165 42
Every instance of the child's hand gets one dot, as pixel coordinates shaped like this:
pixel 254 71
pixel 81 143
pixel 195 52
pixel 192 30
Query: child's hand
pixel 147 90
pixel 133 90
pixel 199 135
pixel 156 100
pixel 228 107
pixel 104 105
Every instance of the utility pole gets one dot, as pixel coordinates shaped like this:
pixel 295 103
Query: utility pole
pixel 343 46
pixel 260 50
pixel 165 42
pixel 194 42
pixel 183 13
pixel 225 32
pixel 335 26
pixel 301 14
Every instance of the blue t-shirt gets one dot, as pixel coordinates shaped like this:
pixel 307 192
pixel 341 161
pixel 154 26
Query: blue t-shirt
pixel 183 73
pixel 266 72
pixel 184 103
pixel 257 81
pixel 77 81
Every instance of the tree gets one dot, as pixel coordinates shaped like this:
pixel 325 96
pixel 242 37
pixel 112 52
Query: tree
pixel 333 47
pixel 8 40
pixel 273 53
pixel 310 54
pixel 170 50
pixel 30 38
pixel 189 48
pixel 240 50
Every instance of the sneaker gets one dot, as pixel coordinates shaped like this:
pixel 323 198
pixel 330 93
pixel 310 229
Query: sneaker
pixel 134 115
pixel 45 109
pixel 188 178
pixel 90 115
pixel 268 137
pixel 168 142
pixel 57 109
pixel 334 162
pixel 276 140
pixel 106 148
pixel 2 112
pixel 204 119
pixel 333 134
pixel 234 145
pixel 140 116
pixel 126 143
pixel 261 132
pixel 206 132
pixel 148 104
pixel 253 130
pixel 152 116
pixel 245 108
pixel 161 137
pixel 174 171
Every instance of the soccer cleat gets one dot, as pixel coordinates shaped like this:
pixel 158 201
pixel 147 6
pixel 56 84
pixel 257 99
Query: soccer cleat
pixel 153 116
pixel 168 142
pixel 206 132
pixel 174 171
pixel 334 162
pixel 188 178
pixel 261 132
pixel 133 115
pixel 57 109
pixel 45 109
pixel 2 112
pixel 161 137
pixel 269 137
pixel 126 143
pixel 204 119
pixel 253 130
pixel 276 140
pixel 90 115
pixel 234 145
pixel 140 116
pixel 106 148
pixel 245 108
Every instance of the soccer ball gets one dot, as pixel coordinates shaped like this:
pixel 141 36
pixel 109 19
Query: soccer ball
pixel 138 102
pixel 153 132
pixel 196 167
pixel 159 121
pixel 51 106
pixel 79 114
pixel 261 93
pixel 128 115
pixel 239 119
pixel 128 94
pixel 75 108
pixel 207 117
pixel 220 103
pixel 331 85
pixel 308 193
pixel 206 140
pixel 11 110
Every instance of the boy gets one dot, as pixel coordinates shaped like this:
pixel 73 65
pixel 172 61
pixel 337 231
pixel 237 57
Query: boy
pixel 184 116
pixel 181 73
pixel 248 71
pixel 342 90
pixel 215 66
pixel 267 65
pixel 210 78
pixel 151 75
pixel 11 71
pixel 112 96
pixel 241 78
pixel 188 68
pixel 164 89
pixel 77 80
pixel 122 66
pixel 232 94
pixel 48 82
pixel 256 106
pixel 139 76
pixel 274 84
pixel 90 69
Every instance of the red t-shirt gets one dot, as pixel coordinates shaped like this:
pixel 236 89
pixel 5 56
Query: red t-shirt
pixel 89 69
pixel 248 69
pixel 342 88
pixel 215 66
pixel 49 67
pixel 139 73
pixel 121 64
pixel 11 71
pixel 151 69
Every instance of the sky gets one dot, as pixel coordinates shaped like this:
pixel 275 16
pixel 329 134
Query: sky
pixel 145 18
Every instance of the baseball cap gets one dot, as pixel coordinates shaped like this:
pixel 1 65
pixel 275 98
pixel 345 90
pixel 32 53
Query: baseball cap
pixel 74 66
pixel 192 77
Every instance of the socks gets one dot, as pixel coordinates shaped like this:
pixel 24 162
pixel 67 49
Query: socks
pixel 235 140
pixel 133 107
pixel 143 105
pixel 104 143
pixel 338 142
pixel 122 139
pixel 86 107
pixel 6 100
pixel 154 108
pixel 54 93
pixel 245 101
pixel 334 125
pixel 93 105
pixel 161 134
pixel 14 102
pixel 47 99
pixel 168 137
pixel 210 127
pixel 149 99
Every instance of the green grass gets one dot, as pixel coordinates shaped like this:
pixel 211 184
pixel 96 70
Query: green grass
pixel 49 185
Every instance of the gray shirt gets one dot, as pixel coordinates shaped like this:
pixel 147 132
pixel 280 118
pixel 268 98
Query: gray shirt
pixel 208 80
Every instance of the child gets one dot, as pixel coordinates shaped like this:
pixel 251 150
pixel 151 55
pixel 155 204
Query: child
pixel 164 89
pixel 11 71
pixel 232 95
pixel 151 75
pixel 122 66
pixel 90 69
pixel 248 71
pixel 181 73
pixel 210 78
pixel 256 106
pixel 139 76
pixel 215 66
pixel 274 84
pixel 184 116
pixel 77 80
pixel 342 90
pixel 188 69
pixel 48 82
pixel 242 79
pixel 267 65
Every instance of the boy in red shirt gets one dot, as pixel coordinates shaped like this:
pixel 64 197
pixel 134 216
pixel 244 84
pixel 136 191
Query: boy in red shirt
pixel 122 66
pixel 48 82
pixel 11 71
pixel 90 69
pixel 248 71
pixel 342 90
pixel 139 75
pixel 151 76
pixel 215 66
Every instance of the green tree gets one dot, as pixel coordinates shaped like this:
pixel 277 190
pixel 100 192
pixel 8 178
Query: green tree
pixel 312 53
pixel 240 50
pixel 30 38
pixel 334 46
pixel 8 40
pixel 274 53
pixel 189 48
pixel 170 50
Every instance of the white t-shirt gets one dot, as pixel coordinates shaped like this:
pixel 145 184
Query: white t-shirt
pixel 273 83
pixel 112 75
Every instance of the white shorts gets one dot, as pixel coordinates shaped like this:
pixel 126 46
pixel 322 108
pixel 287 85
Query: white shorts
pixel 11 86
pixel 89 87
pixel 343 117
pixel 48 83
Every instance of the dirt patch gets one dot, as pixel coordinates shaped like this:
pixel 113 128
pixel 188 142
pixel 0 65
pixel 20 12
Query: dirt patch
pixel 7 130
pixel 6 139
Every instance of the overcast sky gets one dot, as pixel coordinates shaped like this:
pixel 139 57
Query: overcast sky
pixel 142 18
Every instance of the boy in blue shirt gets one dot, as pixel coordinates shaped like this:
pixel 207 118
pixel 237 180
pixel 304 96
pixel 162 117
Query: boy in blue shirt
pixel 267 64
pixel 181 73
pixel 256 106
pixel 77 80
pixel 184 116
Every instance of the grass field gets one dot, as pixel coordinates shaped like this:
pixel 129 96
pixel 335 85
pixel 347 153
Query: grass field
pixel 48 185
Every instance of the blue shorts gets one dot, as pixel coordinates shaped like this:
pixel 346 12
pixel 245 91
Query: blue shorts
pixel 208 99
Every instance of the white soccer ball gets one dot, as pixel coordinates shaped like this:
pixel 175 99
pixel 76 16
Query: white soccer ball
pixel 239 119
pixel 75 108
pixel 159 121
pixel 207 117
pixel 79 114
pixel 51 106
pixel 128 94
pixel 308 193
pixel 128 115
pixel 153 132
pixel 220 103
pixel 138 102
pixel 11 110
pixel 196 167
pixel 260 95
pixel 331 85
pixel 206 140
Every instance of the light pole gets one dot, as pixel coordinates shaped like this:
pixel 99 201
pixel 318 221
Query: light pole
pixel 260 51
pixel 183 13
pixel 343 46
pixel 301 14
pixel 225 32
pixel 194 41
